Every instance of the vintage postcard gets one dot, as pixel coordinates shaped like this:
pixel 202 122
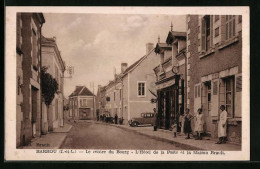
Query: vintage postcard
pixel 127 84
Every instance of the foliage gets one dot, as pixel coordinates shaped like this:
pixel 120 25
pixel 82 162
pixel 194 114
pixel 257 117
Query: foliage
pixel 49 86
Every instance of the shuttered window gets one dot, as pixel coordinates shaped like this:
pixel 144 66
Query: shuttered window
pixel 230 25
pixel 229 96
pixel 34 49
pixel 239 84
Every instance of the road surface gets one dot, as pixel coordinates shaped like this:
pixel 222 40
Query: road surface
pixel 87 135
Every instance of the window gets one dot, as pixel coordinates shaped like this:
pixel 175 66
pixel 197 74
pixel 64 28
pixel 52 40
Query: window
pixel 240 19
pixel 205 33
pixel 209 96
pixel 141 89
pixel 229 96
pixel 230 26
pixel 18 85
pixel 34 50
pixel 56 109
pixel 84 102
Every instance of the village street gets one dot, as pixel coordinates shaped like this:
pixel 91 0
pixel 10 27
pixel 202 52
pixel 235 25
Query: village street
pixel 85 135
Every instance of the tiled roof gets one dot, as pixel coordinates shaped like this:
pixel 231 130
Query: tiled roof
pixel 81 91
pixel 85 92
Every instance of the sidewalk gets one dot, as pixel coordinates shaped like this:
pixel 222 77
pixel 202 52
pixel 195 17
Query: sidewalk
pixel 179 141
pixel 51 140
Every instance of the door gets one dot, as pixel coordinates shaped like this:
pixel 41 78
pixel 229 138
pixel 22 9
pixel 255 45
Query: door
pixel 34 110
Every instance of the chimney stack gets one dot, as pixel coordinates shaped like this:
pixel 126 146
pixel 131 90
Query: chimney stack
pixel 149 47
pixel 123 67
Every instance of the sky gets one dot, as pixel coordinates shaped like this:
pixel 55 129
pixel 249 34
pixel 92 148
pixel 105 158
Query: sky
pixel 96 44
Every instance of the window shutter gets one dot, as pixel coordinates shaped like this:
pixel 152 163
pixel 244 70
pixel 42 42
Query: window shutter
pixel 214 98
pixel 203 35
pixel 238 96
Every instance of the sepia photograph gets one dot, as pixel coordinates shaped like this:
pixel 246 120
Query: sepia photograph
pixel 116 83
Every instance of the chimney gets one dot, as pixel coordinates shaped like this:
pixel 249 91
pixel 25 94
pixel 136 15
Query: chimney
pixel 149 47
pixel 123 67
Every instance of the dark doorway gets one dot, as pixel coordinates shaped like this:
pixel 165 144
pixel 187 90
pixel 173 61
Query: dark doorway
pixel 34 110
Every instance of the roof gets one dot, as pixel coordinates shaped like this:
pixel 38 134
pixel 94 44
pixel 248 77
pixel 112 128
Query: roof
pixel 81 91
pixel 161 45
pixel 178 34
pixel 175 34
pixel 45 40
pixel 131 67
pixel 52 42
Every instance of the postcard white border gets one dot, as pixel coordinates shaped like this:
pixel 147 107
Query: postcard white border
pixel 11 153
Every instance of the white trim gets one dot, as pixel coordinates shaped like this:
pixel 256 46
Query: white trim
pixel 144 88
pixel 228 72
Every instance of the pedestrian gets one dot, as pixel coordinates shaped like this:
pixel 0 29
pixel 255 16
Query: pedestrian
pixel 116 118
pixel 187 123
pixel 199 124
pixel 174 128
pixel 222 125
pixel 181 123
pixel 155 120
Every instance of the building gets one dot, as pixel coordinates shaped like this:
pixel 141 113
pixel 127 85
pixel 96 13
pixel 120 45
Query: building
pixel 53 115
pixel 171 78
pixel 28 87
pixel 128 94
pixel 138 80
pixel 214 52
pixel 113 97
pixel 82 104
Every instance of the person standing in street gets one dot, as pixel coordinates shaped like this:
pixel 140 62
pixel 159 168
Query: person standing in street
pixel 199 124
pixel 187 123
pixel 222 125
pixel 155 119
pixel 116 118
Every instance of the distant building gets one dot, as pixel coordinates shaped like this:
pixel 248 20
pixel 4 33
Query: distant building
pixel 28 87
pixel 128 94
pixel 51 58
pixel 171 77
pixel 137 80
pixel 82 104
pixel 214 52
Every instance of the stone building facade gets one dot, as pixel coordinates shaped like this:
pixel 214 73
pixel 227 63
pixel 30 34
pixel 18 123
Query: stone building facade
pixel 214 53
pixel 28 49
pixel 82 104
pixel 51 58
pixel 171 78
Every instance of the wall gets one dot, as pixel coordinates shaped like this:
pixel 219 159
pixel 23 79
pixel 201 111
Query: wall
pixel 31 77
pixel 143 73
pixel 208 68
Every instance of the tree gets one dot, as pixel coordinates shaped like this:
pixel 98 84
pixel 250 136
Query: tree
pixel 49 86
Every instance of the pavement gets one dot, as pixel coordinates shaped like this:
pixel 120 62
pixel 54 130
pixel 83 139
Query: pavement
pixel 55 139
pixel 167 136
pixel 52 140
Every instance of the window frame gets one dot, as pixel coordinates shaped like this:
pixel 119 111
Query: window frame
pixel 143 92
pixel 230 26
pixel 231 79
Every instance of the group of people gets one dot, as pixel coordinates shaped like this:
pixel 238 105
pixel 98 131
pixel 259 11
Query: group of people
pixel 185 124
